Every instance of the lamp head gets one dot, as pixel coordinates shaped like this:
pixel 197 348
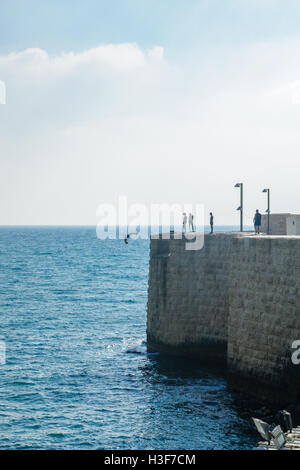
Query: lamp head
pixel 265 190
pixel 238 185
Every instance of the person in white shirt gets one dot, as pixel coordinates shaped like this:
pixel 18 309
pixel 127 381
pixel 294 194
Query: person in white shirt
pixel 191 222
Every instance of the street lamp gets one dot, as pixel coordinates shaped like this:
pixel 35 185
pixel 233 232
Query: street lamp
pixel 240 208
pixel 268 210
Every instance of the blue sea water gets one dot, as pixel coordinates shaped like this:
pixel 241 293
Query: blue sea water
pixel 77 373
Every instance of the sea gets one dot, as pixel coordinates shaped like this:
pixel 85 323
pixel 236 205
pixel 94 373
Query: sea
pixel 75 371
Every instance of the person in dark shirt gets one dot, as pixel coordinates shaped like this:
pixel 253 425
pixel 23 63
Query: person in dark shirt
pixel 191 222
pixel 211 221
pixel 257 221
pixel 184 221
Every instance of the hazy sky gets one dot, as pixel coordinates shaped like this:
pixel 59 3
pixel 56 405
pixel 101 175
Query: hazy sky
pixel 165 101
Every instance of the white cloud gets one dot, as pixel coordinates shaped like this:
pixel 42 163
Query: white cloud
pixel 72 87
pixel 156 53
pixel 108 57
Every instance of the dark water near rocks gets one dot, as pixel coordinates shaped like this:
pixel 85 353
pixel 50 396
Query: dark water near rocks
pixel 77 374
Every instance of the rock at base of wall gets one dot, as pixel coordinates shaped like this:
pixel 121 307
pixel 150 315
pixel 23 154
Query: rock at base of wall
pixel 206 351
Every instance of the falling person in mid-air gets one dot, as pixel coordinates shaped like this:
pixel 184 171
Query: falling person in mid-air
pixel 126 238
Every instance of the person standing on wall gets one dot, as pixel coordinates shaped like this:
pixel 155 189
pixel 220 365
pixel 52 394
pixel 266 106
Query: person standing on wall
pixel 211 221
pixel 184 222
pixel 257 221
pixel 191 222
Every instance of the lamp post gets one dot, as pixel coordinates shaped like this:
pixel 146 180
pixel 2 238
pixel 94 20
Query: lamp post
pixel 268 210
pixel 240 208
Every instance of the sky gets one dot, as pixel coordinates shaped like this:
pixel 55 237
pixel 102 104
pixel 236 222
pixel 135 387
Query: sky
pixel 162 101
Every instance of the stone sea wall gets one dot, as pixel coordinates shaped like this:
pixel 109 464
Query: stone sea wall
pixel 188 298
pixel 264 316
pixel 235 302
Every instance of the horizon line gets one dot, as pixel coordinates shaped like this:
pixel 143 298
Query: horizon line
pixel 96 225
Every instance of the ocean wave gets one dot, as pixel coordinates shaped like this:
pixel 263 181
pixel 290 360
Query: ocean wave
pixel 139 348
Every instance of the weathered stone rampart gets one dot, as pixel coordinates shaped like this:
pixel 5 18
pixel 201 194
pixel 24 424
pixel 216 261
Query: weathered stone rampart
pixel 264 316
pixel 234 302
